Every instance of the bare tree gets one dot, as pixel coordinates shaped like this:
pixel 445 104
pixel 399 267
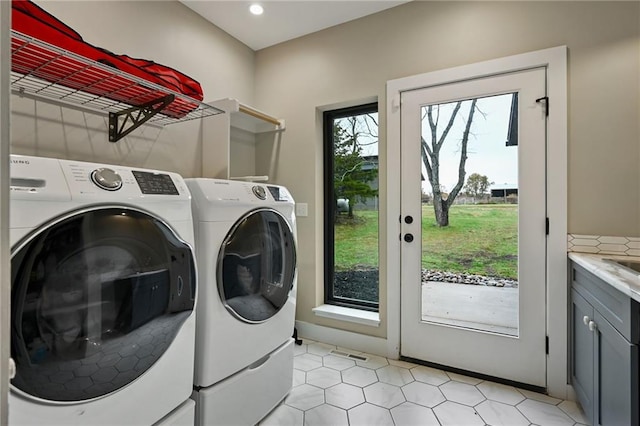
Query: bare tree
pixel 431 158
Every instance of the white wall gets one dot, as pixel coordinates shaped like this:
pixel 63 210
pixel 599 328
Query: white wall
pixel 354 60
pixel 166 32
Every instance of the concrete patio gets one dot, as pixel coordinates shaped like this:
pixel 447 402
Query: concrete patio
pixel 493 309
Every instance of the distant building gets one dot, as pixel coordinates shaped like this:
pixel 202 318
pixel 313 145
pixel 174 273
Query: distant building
pixel 504 191
pixel 371 203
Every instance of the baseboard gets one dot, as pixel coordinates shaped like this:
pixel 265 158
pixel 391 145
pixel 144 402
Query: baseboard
pixel 344 339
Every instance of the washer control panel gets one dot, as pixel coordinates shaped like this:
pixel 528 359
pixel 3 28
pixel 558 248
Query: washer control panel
pixel 107 179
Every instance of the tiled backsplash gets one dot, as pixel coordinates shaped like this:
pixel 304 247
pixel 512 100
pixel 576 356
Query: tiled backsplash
pixel 622 246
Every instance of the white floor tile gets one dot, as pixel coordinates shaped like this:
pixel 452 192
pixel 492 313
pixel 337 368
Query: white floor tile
pixel 544 414
pixel 329 389
pixel 373 361
pixel 321 349
pixel 305 397
pixel 499 414
pixel 307 362
pixel 453 414
pixel 462 393
pixel 344 396
pixel 384 395
pixel 403 364
pixel 369 415
pixel 284 415
pixel 429 375
pixel 299 378
pixel 540 397
pixel 410 414
pixel 323 377
pixel 423 394
pixel 394 375
pixel 337 362
pixel 359 376
pixel 299 349
pixel 326 415
pixel 501 393
pixel 464 379
pixel 574 411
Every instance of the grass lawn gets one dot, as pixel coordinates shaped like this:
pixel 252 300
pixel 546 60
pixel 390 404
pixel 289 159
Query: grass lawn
pixel 480 239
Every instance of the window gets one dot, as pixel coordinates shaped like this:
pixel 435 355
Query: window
pixel 351 206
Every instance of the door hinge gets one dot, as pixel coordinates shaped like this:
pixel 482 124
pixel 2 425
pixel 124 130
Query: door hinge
pixel 544 99
pixel 546 225
pixel 546 344
pixel 396 101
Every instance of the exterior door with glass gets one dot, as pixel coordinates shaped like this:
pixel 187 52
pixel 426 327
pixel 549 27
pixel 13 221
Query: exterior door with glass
pixel 473 207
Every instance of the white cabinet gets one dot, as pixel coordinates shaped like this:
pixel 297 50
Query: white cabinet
pixel 232 142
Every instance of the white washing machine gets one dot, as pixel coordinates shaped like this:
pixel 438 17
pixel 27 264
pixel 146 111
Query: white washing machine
pixel 103 294
pixel 246 252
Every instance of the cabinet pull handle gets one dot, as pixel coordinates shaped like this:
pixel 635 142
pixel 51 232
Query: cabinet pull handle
pixel 592 326
pixel 586 320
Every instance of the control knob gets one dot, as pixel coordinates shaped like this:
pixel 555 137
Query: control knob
pixel 259 192
pixel 106 179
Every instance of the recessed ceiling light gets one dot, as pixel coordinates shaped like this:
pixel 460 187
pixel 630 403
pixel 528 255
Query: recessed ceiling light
pixel 256 9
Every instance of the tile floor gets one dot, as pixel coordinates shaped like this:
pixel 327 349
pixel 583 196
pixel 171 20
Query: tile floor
pixel 330 389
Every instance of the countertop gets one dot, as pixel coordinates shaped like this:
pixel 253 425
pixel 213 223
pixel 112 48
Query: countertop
pixel 622 279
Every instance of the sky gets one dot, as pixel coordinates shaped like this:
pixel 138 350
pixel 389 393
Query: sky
pixel 486 151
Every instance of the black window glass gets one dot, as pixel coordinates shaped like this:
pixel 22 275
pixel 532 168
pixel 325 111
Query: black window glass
pixel 97 298
pixel 258 266
pixel 351 201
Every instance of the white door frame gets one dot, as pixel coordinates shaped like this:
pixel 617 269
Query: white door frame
pixel 555 59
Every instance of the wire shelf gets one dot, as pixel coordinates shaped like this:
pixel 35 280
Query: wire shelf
pixel 42 71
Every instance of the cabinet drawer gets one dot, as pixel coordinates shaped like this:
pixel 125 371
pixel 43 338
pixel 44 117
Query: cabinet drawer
pixel 616 307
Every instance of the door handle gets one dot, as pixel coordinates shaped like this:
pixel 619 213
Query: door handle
pixel 408 237
pixel 408 220
pixel 586 320
pixel 592 326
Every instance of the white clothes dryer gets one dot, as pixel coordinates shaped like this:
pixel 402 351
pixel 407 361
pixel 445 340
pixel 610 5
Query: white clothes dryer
pixel 246 251
pixel 103 294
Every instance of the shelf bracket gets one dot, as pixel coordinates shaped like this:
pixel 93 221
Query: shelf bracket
pixel 124 122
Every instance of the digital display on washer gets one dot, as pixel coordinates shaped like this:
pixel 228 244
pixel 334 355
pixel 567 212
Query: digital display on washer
pixel 155 183
pixel 275 192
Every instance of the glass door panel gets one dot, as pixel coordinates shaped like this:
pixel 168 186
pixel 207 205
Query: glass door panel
pixel 473 226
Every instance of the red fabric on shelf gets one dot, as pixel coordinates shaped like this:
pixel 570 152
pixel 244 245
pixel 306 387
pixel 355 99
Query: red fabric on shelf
pixel 31 20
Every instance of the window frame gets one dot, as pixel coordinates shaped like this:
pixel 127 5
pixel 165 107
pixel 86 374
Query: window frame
pixel 328 118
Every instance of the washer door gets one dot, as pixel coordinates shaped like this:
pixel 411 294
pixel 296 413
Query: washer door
pixel 97 298
pixel 257 265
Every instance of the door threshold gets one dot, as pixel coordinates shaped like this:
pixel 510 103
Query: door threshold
pixel 525 386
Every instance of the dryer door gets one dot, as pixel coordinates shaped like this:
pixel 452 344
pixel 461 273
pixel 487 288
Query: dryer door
pixel 257 266
pixel 97 298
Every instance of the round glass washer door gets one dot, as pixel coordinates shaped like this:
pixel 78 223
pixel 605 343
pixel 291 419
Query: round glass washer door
pixel 257 266
pixel 97 297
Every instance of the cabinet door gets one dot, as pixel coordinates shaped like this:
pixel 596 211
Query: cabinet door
pixel 582 353
pixel 616 381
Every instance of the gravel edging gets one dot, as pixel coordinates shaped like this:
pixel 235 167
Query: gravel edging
pixel 362 284
pixel 450 277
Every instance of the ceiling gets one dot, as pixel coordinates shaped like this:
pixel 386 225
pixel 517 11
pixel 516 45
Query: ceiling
pixel 283 20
